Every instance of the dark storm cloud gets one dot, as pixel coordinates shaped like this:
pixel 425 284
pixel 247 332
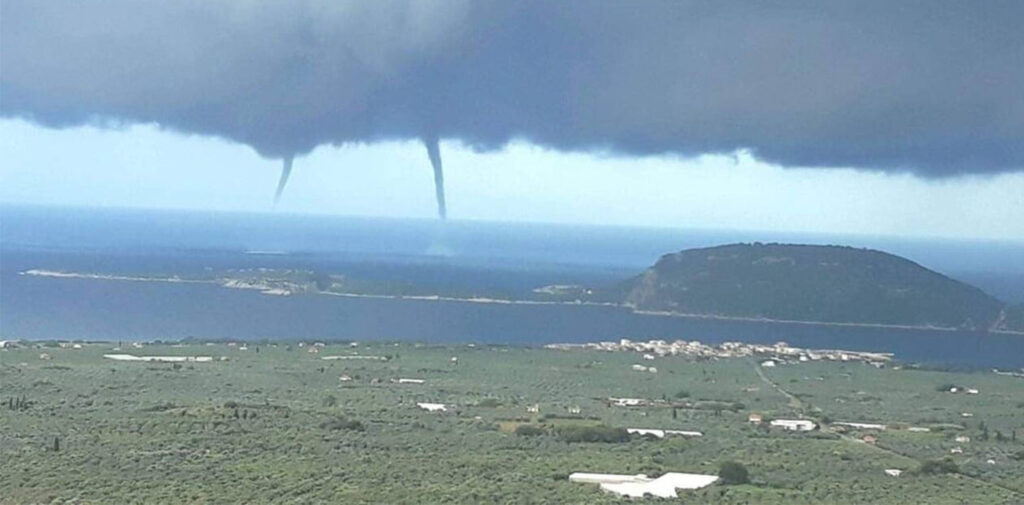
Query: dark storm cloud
pixel 930 87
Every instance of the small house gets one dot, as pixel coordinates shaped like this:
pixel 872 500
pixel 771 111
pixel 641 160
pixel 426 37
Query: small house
pixel 755 419
pixel 639 486
pixel 628 402
pixel 433 407
pixel 793 424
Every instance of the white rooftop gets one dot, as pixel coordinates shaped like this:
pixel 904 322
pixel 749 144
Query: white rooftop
pixel 639 486
pixel 432 407
pixel 130 357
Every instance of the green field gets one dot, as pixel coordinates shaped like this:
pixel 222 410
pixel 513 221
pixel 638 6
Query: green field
pixel 277 425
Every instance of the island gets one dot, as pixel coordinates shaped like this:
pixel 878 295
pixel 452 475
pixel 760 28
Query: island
pixel 812 283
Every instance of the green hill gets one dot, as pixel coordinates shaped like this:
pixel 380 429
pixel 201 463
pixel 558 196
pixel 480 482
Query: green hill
pixel 813 283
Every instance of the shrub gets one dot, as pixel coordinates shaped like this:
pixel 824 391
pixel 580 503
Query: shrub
pixel 938 466
pixel 340 423
pixel 528 430
pixel 489 403
pixel 733 472
pixel 599 433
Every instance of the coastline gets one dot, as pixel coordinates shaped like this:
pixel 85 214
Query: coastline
pixel 812 323
pixel 235 284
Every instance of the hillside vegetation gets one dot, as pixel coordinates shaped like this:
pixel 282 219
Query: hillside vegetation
pixel 275 423
pixel 813 283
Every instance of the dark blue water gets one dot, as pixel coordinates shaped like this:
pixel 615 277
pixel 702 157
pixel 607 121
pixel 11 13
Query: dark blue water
pixel 485 256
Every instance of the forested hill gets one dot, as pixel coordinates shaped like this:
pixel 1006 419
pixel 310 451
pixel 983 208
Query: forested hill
pixel 816 284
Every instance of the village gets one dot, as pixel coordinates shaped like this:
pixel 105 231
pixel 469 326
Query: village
pixel 780 351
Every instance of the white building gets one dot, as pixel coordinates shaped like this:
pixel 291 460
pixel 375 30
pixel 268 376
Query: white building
pixel 893 472
pixel 768 364
pixel 628 402
pixel 639 368
pixel 793 424
pixel 163 359
pixel 684 433
pixel 639 486
pixel 411 381
pixel 860 426
pixel 645 431
pixel 432 407
pixel 663 433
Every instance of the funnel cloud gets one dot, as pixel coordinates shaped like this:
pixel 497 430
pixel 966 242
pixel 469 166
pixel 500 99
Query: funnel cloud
pixel 926 87
pixel 286 172
pixel 434 153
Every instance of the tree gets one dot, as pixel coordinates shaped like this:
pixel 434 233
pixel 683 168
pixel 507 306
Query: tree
pixel 733 472
pixel 330 401
pixel 56 444
pixel 599 433
pixel 340 423
pixel 528 430
pixel 938 466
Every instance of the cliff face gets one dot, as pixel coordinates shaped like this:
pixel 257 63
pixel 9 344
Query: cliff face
pixel 811 283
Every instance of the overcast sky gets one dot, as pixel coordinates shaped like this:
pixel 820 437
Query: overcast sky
pixel 844 116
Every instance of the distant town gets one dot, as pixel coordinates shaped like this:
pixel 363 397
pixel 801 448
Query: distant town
pixel 779 352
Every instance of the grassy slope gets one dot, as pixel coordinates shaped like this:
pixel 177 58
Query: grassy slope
pixel 136 432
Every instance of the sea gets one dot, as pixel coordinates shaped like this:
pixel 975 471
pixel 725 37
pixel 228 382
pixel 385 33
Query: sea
pixel 489 257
